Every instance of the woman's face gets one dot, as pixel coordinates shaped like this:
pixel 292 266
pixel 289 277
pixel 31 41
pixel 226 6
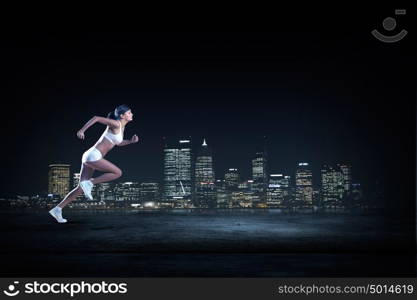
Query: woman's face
pixel 128 116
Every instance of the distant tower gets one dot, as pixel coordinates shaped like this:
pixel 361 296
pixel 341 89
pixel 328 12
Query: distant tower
pixel 331 185
pixel 222 194
pixel 260 173
pixel 278 190
pixel 178 173
pixel 346 171
pixel 205 194
pixel 59 179
pixel 304 184
pixel 231 179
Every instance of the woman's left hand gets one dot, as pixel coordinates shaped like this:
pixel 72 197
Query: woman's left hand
pixel 134 139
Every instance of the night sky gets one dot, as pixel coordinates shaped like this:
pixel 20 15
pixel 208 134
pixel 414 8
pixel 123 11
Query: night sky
pixel 319 97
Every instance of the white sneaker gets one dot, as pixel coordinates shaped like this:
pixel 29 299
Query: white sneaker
pixel 56 212
pixel 87 186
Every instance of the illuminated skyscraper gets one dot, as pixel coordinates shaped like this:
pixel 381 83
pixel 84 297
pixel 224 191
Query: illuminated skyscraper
pixel 222 194
pixel 205 194
pixel 332 185
pixel 59 179
pixel 303 184
pixel 346 171
pixel 278 185
pixel 287 190
pixel 231 179
pixel 178 173
pixel 260 173
pixel 278 190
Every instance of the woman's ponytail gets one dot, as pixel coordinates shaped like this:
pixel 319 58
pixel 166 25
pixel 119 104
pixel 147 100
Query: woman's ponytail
pixel 111 115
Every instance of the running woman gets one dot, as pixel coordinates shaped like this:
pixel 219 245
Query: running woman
pixel 93 158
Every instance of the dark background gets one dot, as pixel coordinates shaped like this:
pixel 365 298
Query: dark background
pixel 323 90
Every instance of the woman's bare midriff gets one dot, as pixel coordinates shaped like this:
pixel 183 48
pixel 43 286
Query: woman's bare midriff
pixel 104 146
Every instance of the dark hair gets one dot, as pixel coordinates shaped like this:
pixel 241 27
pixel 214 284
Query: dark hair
pixel 120 110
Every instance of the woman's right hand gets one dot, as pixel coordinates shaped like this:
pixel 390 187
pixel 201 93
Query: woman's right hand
pixel 80 134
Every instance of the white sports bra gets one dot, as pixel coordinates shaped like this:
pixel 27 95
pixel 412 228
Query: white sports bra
pixel 115 139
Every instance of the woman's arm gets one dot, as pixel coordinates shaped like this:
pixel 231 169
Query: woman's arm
pixel 124 143
pixel 109 122
pixel 133 140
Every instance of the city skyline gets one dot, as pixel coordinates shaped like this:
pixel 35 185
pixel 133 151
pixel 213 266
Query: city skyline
pixel 221 174
pixel 315 99
pixel 251 172
pixel 231 192
pixel 181 157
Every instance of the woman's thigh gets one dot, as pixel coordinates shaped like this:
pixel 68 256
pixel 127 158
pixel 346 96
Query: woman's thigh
pixel 103 165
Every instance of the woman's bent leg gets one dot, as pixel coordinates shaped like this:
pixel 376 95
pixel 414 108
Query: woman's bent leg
pixel 103 165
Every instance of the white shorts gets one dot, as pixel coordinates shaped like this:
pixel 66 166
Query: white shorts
pixel 91 154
